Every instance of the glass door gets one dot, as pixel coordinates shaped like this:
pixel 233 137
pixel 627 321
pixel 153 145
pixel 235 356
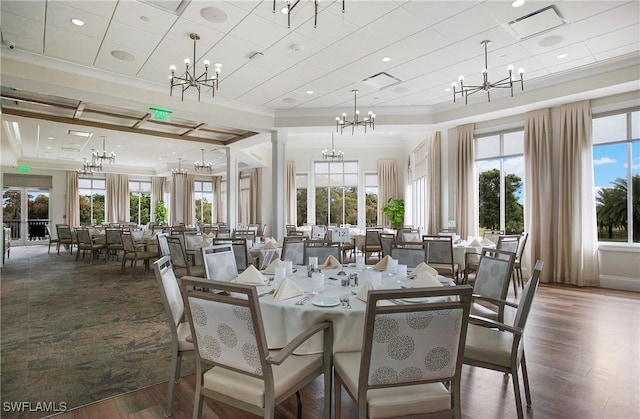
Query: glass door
pixel 26 212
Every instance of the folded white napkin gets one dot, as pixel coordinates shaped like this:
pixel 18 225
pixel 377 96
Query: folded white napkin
pixel 287 289
pixel 270 245
pixel 475 243
pixel 204 243
pixel 487 242
pixel 363 293
pixel 271 269
pixel 425 280
pixel 252 276
pixel 382 265
pixel 422 267
pixel 331 263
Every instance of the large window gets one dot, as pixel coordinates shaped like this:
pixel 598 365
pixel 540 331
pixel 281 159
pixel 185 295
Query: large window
pixel 336 192
pixel 302 184
pixel 371 198
pixel 418 175
pixel 500 171
pixel 616 161
pixel 140 202
pixel 204 201
pixel 91 194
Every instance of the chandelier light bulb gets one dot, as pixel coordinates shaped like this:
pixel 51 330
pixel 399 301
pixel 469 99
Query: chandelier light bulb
pixel 206 63
pixel 172 68
pixel 187 61
pixel 510 68
pixel 521 71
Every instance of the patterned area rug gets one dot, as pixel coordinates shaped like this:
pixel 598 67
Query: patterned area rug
pixel 74 333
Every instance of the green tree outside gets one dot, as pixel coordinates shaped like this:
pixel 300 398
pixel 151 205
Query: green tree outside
pixel 489 202
pixel 611 210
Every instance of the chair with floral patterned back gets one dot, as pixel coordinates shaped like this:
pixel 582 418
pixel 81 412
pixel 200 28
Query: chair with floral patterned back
pixel 408 352
pixel 219 262
pixel 233 362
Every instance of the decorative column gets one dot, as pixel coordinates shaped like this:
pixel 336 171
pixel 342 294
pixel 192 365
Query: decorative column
pixel 232 188
pixel 278 173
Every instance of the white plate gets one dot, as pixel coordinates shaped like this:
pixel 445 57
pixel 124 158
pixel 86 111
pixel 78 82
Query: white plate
pixel 325 302
pixel 415 300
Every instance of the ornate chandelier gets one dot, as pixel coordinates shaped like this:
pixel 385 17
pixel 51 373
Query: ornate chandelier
pixel 290 6
pixel 95 165
pixel 179 172
pixel 506 83
pixel 190 79
pixel 203 166
pixel 369 120
pixel 103 155
pixel 334 155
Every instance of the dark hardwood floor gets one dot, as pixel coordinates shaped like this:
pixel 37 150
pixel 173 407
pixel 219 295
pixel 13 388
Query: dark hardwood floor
pixel 583 357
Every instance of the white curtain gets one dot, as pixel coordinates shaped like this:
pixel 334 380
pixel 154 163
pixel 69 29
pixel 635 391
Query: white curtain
pixel 189 200
pixel 253 196
pixel 117 198
pixel 577 241
pixel 157 193
pixel 433 184
pixel 538 167
pixel 244 198
pixel 465 183
pixel 73 200
pixel 387 186
pixel 292 204
pixel 217 193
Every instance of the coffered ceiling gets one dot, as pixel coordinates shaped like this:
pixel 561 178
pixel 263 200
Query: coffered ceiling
pixel 402 56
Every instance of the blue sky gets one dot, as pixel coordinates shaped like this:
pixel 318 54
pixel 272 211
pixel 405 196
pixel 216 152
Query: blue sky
pixel 610 163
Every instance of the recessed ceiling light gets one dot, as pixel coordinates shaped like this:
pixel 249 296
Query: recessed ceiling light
pixel 310 92
pixel 550 41
pixel 79 133
pixel 144 18
pixel 386 59
pixel 563 55
pixel 50 138
pixel 517 3
pixel 296 47
pixel 77 22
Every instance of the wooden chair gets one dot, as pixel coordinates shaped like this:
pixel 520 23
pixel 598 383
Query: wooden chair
pixel 220 262
pixel 410 254
pixel 134 253
pixel 386 242
pixel 53 239
pixel 500 347
pixel 240 251
pixel 439 251
pixel 236 367
pixel 181 264
pixel 65 238
pixel 372 242
pixel 181 344
pixel 114 242
pixel 293 249
pixel 492 283
pixel 320 249
pixel 510 243
pixel 518 263
pixel 409 352
pixel 492 235
pixel 86 243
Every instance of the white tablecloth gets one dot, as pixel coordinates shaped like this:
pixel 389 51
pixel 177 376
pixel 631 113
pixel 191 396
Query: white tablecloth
pixel 283 320
pixel 264 256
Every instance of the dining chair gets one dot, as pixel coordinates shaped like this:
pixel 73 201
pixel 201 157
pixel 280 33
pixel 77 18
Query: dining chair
pixel 6 239
pixel 439 255
pixel 163 245
pixel 114 242
pixel 492 235
pixel 499 346
pixel 245 234
pixel 234 365
pixel 372 242
pixel 181 264
pixel 53 239
pixel 290 228
pixel 293 249
pixel 134 253
pixel 492 283
pixel 320 249
pixel 411 254
pixel 510 243
pixel 519 255
pixel 318 232
pixel 219 262
pixel 181 344
pixel 65 237
pixel 86 243
pixel 411 358
pixel 240 251
pixel 386 241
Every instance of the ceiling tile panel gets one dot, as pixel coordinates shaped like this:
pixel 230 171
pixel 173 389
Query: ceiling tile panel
pixel 144 17
pixel 60 15
pixel 627 50
pixel 361 13
pixel 102 8
pixel 85 48
pixel 574 52
pixel 16 27
pixel 34 9
pixel 614 39
pixel 127 36
pixel 574 11
pixel 234 15
pixel 259 31
pixel 107 61
pixel 472 22
pixel 433 12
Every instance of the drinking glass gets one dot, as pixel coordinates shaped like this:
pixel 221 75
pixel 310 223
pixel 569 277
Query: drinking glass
pixel 401 271
pixel 289 265
pixel 359 262
pixel 317 282
pixel 313 262
pixel 392 266
pixel 280 274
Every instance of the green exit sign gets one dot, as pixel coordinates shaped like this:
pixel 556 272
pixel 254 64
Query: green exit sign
pixel 160 114
pixel 25 169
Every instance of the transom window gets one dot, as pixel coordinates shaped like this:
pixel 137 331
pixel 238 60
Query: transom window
pixel 336 192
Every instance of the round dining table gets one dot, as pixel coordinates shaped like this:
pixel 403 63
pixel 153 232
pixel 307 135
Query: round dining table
pixel 283 320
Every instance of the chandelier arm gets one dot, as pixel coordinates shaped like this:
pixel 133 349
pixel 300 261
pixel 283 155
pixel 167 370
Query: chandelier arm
pixel 315 15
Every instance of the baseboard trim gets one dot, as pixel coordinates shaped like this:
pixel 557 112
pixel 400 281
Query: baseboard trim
pixel 620 283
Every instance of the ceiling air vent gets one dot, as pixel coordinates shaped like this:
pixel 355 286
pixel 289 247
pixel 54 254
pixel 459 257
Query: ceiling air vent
pixel 172 6
pixel 537 22
pixel 381 80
